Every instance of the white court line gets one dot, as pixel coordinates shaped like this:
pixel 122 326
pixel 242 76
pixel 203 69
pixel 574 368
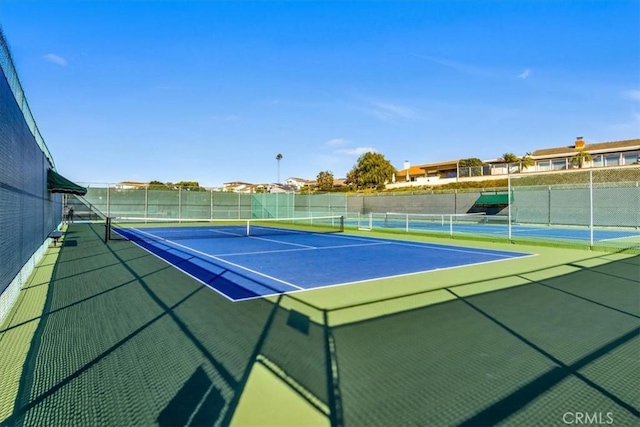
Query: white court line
pixel 310 248
pixel 416 245
pixel 300 289
pixel 374 279
pixel 284 243
pixel 618 238
pixel 418 272
pixel 402 243
pixel 544 230
pixel 226 232
pixel 439 248
pixel 190 275
pixel 275 279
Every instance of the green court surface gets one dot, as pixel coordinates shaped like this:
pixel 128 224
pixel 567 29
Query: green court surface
pixel 110 335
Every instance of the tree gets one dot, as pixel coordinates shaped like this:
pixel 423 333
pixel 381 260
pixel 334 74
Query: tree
pixel 526 161
pixel 190 185
pixel 325 180
pixel 259 189
pixel 278 158
pixel 470 167
pixel 509 158
pixel 581 158
pixel 352 178
pixel 371 171
pixel 157 185
pixel 471 161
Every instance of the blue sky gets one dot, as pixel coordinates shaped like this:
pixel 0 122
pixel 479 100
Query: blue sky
pixel 212 91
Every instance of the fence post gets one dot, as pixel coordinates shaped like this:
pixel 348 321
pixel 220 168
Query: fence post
pixel 591 209
pixel 549 206
pixel 509 200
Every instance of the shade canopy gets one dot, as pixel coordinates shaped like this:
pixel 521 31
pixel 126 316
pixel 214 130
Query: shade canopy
pixel 493 199
pixel 57 183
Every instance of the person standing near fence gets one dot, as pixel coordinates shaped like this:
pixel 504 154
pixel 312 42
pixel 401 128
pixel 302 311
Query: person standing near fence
pixel 65 214
pixel 70 215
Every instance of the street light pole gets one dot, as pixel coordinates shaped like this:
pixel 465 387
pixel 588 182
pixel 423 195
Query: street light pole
pixel 278 158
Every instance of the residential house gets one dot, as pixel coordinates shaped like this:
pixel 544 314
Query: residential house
pixel 425 174
pixel 282 188
pixel 128 185
pixel 603 154
pixel 339 182
pixel 239 187
pixel 298 183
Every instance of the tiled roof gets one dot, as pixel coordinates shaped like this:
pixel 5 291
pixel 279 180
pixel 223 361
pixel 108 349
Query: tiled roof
pixel 439 166
pixel 236 183
pixel 600 146
pixel 413 170
pixel 421 170
pixel 133 183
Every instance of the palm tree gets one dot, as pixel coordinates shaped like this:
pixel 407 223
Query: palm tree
pixel 278 158
pixel 526 161
pixel 509 158
pixel 581 158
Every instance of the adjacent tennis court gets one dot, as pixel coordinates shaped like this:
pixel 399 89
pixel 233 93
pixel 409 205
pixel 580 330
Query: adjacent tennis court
pixel 282 256
pixel 493 225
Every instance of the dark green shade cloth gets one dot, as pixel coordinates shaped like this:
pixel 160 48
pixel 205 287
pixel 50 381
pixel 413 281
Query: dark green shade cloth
pixel 57 183
pixel 493 199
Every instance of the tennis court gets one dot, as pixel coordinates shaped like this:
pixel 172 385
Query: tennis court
pixel 277 257
pixel 498 225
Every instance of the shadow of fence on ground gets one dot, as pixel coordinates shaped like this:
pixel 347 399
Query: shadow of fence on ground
pixel 124 340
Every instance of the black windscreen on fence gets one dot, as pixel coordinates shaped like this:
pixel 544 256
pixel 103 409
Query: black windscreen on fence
pixel 28 211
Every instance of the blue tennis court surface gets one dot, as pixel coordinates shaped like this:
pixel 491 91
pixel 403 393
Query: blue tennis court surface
pixel 255 266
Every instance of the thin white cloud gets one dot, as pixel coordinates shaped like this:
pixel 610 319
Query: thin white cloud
pixel 630 127
pixel 386 111
pixel 456 65
pixel 525 74
pixel 337 142
pixel 55 59
pixel 633 94
pixel 358 151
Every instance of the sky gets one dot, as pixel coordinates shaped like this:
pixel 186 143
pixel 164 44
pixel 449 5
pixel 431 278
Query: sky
pixel 212 91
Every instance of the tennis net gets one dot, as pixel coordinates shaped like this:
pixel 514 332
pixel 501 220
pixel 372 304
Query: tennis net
pixel 125 228
pixel 409 221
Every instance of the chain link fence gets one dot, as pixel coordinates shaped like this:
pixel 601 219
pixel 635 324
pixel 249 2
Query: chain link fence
pixel 598 208
pixel 189 203
pixel 594 208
